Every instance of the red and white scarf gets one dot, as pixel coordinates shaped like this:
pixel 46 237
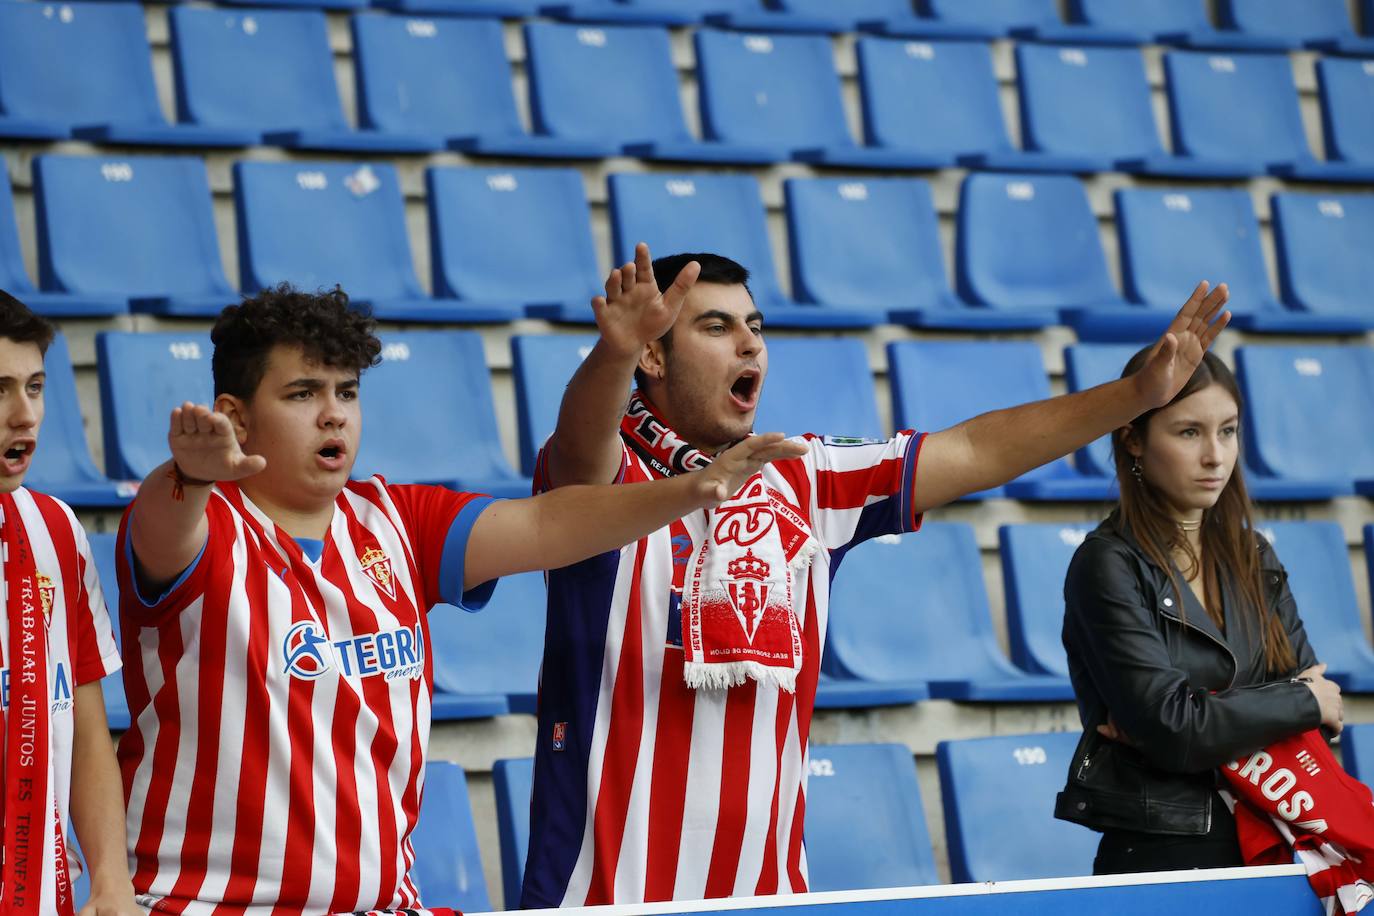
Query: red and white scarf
pixel 1294 798
pixel 739 617
pixel 28 770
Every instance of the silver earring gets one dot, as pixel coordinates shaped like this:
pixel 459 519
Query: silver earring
pixel 1136 472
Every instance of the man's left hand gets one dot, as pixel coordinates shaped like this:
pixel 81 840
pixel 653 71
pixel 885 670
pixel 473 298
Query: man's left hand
pixel 1179 352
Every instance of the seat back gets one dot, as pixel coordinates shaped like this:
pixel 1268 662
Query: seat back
pixel 889 845
pixel 142 377
pixel 256 69
pixel 1346 92
pixel 1030 242
pixel 77 64
pixel 1155 17
pixel 1170 240
pixel 127 226
pixel 1323 241
pixel 994 14
pixel 513 781
pixel 584 80
pixel 1357 752
pixel 681 213
pixel 1035 559
pixel 1234 107
pixel 112 685
pixel 868 243
pixel 14 276
pixel 1297 396
pixel 1310 20
pixel 448 863
pixel 318 224
pixel 998 796
pixel 428 414
pixel 939 97
pixel 542 365
pixel 819 385
pixel 861 10
pixel 495 651
pixel 937 384
pixel 1086 101
pixel 1086 366
pixel 771 90
pixel 498 235
pixel 441 77
pixel 63 458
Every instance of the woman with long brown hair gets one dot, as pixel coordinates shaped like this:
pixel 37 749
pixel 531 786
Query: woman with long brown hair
pixel 1184 643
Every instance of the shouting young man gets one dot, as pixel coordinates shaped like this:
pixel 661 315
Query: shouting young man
pixel 278 667
pixel 55 646
pixel 680 672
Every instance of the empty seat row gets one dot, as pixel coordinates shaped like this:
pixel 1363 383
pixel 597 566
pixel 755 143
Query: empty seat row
pixel 116 233
pixel 243 78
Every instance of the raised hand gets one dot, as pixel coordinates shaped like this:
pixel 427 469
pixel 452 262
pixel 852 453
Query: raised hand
pixel 733 467
pixel 1179 352
pixel 205 448
pixel 633 312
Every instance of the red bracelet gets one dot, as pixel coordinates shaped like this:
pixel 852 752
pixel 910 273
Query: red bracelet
pixel 180 482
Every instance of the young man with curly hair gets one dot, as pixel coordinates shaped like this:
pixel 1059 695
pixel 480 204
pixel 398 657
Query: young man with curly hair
pixel 55 646
pixel 277 647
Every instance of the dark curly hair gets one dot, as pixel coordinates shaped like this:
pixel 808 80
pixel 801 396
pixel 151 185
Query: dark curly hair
pixel 19 323
pixel 322 324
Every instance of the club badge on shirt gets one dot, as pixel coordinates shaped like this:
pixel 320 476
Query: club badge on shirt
pixel 377 566
pixel 47 592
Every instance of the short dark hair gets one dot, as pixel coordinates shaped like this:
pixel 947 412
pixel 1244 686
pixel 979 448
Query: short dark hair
pixel 715 268
pixel 322 324
pixel 20 324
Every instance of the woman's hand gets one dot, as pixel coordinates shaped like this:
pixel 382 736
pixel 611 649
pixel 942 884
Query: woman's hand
pixel 1328 695
pixel 1111 732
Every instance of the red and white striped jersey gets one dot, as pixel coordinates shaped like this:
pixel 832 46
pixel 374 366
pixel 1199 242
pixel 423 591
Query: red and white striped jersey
pixel 280 697
pixel 646 790
pixel 81 645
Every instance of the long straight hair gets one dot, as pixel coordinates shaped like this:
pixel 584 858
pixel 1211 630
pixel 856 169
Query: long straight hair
pixel 1228 539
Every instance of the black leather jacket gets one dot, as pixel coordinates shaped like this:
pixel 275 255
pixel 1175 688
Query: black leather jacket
pixel 1189 698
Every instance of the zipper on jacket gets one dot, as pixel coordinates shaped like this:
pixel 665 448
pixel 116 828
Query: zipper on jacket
pixel 1235 664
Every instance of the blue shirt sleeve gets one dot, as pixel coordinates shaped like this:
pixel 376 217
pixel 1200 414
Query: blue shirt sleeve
pixel 451 572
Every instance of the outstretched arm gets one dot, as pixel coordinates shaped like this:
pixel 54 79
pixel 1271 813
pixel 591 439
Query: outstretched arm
pixel 168 528
pixel 585 446
pixel 989 450
pixel 570 524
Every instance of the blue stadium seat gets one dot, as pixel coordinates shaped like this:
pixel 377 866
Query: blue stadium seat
pixel 875 243
pixel 270 71
pixel 888 846
pixel 516 237
pixel 448 863
pixel 1320 24
pixel 85 69
pixel 935 99
pixel 782 92
pixel 854 14
pixel 1322 242
pixel 1087 365
pixel 936 384
pixel 318 224
pixel 888 633
pixel 1031 242
pixel 14 276
pixel 998 796
pixel 718 213
pixel 1357 752
pixel 1088 103
pixel 485 9
pixel 449 435
pixel 819 385
pixel 112 686
pixel 62 466
pixel 138 229
pixel 1035 559
pixel 542 365
pixel 1037 19
pixel 750 15
pixel 1235 116
pixel 616 85
pixel 513 781
pixel 142 377
pixel 1317 560
pixel 497 650
pixel 1346 91
pixel 1169 240
pixel 1176 22
pixel 1297 396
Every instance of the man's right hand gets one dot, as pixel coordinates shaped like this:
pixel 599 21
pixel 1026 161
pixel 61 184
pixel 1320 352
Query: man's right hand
pixel 1328 694
pixel 633 312
pixel 205 448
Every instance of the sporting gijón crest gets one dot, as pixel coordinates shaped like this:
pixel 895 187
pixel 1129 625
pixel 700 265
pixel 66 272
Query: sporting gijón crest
pixel 377 566
pixel 747 585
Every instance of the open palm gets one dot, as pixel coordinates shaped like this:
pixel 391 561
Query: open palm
pixel 633 312
pixel 1179 351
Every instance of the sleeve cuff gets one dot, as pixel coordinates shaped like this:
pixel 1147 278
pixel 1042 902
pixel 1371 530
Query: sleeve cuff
pixel 133 574
pixel 451 571
pixel 911 519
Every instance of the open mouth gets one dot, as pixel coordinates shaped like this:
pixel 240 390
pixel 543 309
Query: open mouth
pixel 330 451
pixel 746 388
pixel 331 456
pixel 17 455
